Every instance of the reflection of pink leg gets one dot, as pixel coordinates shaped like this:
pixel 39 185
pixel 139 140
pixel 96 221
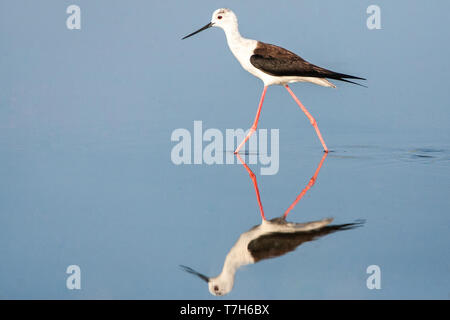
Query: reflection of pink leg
pixel 255 123
pixel 310 117
pixel 255 184
pixel 308 186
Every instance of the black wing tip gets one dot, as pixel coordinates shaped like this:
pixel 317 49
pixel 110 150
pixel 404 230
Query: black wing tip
pixel 344 77
pixel 348 226
pixel 351 77
pixel 352 82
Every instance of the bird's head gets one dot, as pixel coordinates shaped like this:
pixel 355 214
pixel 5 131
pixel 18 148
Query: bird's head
pixel 222 18
pixel 220 286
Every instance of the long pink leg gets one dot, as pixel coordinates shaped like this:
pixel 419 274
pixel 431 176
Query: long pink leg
pixel 308 186
pixel 255 123
pixel 255 184
pixel 310 117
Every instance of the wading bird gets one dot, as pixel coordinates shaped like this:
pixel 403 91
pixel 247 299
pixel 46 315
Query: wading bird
pixel 270 239
pixel 272 64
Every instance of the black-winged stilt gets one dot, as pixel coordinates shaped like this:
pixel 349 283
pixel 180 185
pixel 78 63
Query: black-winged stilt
pixel 272 64
pixel 270 239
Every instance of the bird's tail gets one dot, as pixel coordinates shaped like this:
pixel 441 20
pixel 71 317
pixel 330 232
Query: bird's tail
pixel 344 77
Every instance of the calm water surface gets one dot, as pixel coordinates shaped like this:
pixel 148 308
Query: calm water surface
pixel 87 179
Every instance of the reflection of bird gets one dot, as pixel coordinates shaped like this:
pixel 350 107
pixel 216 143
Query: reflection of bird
pixel 272 64
pixel 270 239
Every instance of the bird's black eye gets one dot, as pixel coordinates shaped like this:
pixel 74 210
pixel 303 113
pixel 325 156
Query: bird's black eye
pixel 216 288
pixel 219 17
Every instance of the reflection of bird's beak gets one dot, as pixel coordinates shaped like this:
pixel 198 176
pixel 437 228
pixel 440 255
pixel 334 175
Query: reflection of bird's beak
pixel 209 25
pixel 198 274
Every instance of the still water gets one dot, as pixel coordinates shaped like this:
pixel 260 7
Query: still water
pixel 129 228
pixel 87 178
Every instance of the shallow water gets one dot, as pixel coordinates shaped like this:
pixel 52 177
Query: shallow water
pixel 87 178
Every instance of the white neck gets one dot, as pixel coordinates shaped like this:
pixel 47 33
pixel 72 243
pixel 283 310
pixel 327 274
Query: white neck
pixel 230 266
pixel 232 31
pixel 234 38
pixel 229 270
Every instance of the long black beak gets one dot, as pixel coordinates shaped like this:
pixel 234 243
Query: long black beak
pixel 198 274
pixel 209 25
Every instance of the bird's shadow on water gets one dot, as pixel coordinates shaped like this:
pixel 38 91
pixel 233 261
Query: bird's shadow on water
pixel 272 238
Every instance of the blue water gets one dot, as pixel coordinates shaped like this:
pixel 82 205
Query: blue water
pixel 87 179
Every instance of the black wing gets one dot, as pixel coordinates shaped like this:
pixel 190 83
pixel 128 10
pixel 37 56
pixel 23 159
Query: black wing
pixel 276 244
pixel 278 61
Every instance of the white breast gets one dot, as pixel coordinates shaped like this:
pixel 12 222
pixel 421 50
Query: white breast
pixel 243 49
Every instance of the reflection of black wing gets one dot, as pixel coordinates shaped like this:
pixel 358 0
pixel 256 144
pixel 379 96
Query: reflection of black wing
pixel 278 61
pixel 277 244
